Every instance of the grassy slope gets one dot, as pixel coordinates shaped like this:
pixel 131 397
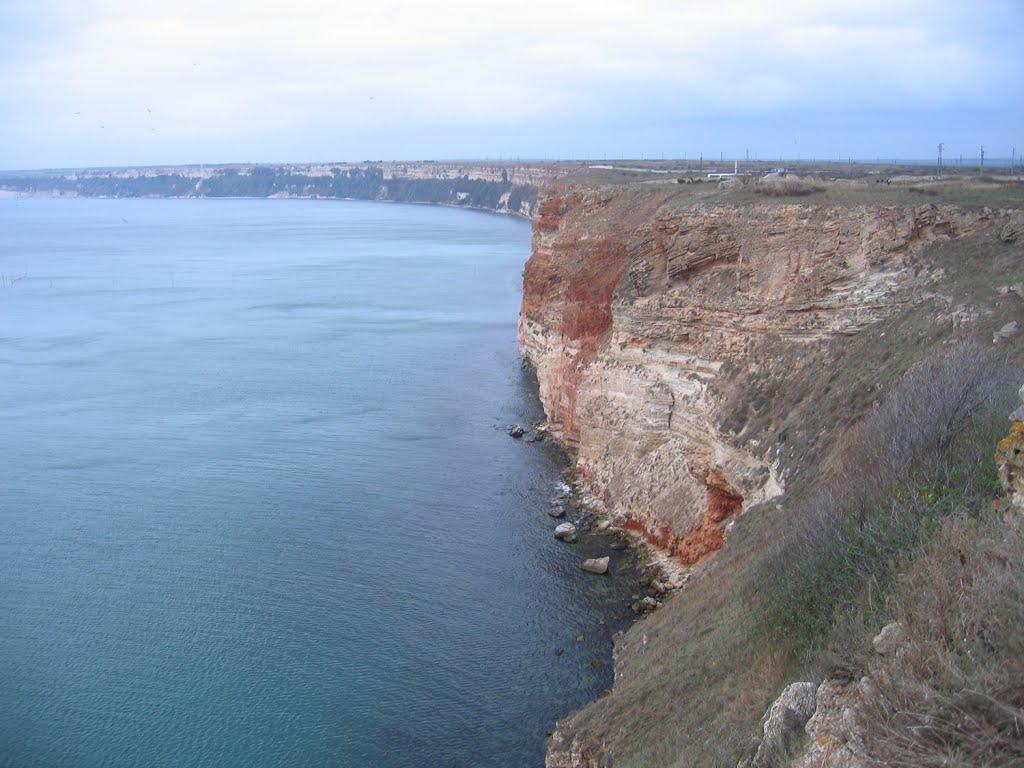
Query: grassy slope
pixel 696 677
pixel 954 696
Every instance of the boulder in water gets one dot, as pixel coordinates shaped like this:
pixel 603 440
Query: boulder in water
pixel 566 532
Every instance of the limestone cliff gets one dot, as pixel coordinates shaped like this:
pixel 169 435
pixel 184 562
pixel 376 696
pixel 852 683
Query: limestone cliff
pixel 640 302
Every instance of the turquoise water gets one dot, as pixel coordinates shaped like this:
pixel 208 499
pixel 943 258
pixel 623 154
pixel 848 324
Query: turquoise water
pixel 258 504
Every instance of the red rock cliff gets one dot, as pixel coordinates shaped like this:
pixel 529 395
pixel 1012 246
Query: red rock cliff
pixel 638 299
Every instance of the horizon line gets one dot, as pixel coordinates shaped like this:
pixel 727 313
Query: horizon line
pixel 947 164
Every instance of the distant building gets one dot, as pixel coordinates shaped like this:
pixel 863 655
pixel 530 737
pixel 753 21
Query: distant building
pixel 735 172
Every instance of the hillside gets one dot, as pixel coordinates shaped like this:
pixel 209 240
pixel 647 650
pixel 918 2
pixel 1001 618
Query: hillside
pixel 720 358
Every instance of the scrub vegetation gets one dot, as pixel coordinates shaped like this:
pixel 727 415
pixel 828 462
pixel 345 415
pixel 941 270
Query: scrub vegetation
pixel 955 695
pixel 923 455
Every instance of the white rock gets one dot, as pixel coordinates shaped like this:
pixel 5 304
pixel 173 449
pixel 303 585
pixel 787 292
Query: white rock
pixel 784 721
pixel 566 532
pixel 889 639
pixel 1018 415
pixel 596 565
pixel 1008 330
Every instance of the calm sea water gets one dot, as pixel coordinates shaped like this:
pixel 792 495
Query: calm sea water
pixel 258 505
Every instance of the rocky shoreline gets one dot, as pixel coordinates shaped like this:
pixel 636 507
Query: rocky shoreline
pixel 576 519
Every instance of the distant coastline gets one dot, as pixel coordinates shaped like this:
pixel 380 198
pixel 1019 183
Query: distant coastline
pixel 501 188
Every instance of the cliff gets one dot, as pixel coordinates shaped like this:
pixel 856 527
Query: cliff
pixel 711 352
pixel 637 303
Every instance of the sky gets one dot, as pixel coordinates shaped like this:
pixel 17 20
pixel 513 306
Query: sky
pixel 88 83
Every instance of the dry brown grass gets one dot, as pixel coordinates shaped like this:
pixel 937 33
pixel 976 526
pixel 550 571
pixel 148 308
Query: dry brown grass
pixel 954 694
pixel 788 186
pixel 917 457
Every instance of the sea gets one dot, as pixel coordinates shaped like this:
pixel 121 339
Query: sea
pixel 258 503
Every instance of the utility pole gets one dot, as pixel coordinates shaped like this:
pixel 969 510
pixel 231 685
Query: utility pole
pixel 940 156
pixel 981 166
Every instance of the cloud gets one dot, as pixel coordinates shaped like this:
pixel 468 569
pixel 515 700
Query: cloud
pixel 211 73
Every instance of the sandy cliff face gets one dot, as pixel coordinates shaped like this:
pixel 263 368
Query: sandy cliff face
pixel 640 303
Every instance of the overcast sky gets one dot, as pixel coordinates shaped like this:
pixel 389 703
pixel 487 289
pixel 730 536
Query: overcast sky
pixel 134 82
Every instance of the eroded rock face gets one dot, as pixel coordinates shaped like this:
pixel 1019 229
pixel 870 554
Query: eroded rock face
pixel 832 740
pixel 636 305
pixel 783 725
pixel 567 752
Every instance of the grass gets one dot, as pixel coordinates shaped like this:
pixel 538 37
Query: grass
pixel 825 184
pixel 921 456
pixel 954 695
pixel 788 186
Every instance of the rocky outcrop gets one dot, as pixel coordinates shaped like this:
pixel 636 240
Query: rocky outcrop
pixel 1010 458
pixel 640 301
pixel 830 736
pixel 783 725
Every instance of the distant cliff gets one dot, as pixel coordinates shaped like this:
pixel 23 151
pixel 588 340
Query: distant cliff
pixel 503 188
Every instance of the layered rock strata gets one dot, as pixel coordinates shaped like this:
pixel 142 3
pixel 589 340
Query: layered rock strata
pixel 640 301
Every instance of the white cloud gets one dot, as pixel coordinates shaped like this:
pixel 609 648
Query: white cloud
pixel 213 70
